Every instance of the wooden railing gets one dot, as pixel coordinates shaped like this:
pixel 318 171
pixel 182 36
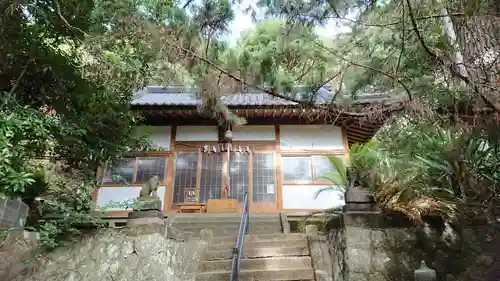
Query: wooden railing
pixel 238 249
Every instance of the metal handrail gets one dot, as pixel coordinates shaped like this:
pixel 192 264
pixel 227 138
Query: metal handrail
pixel 238 249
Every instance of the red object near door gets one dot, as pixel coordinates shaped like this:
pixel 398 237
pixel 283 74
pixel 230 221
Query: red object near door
pixel 227 187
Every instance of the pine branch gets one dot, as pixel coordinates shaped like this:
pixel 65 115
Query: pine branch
pixel 227 73
pixel 453 70
pixel 407 90
pixel 315 92
pixel 394 104
pixel 390 24
pixel 58 11
pixel 21 75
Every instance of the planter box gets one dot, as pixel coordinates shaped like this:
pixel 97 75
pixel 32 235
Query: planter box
pixel 359 199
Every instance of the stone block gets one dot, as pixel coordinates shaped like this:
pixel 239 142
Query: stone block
pixel 354 276
pixel 149 203
pixel 381 260
pixel 370 207
pixel 375 219
pixel 311 229
pixel 145 221
pixel 284 223
pixel 206 235
pixel 320 255
pixel 358 260
pixel 379 238
pixel 146 214
pixel 358 237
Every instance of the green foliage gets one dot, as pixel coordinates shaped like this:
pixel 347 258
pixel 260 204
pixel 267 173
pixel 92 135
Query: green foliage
pixel 69 69
pixel 65 100
pixel 337 177
pixel 24 134
pixel 429 169
pixel 357 169
pixel 275 56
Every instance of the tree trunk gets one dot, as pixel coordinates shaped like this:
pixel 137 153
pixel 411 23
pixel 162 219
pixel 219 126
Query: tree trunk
pixel 478 35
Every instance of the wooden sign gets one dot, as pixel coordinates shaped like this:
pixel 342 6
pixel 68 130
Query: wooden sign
pixel 224 147
pixel 190 195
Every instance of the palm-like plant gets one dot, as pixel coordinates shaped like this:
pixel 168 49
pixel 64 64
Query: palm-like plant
pixel 361 160
pixel 337 177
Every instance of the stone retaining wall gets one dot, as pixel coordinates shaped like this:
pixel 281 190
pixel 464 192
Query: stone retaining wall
pixel 377 247
pixel 144 253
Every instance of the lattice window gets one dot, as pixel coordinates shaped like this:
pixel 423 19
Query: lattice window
pixel 135 170
pixel 185 175
pixel 238 176
pixel 121 172
pixel 211 177
pixel 263 183
pixel 149 167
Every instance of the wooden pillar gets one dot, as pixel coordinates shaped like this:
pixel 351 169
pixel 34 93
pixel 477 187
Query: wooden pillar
pixel 169 183
pixel 225 173
pixel 277 163
pixel 345 140
pixel 198 175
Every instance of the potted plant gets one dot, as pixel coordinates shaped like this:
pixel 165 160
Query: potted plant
pixel 353 178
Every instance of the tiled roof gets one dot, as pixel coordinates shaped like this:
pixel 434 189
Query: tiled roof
pixel 180 96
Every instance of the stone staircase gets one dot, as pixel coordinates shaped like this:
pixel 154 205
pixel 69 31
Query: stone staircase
pixel 268 254
pixel 226 224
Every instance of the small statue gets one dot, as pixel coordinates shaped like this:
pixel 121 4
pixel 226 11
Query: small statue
pixel 150 187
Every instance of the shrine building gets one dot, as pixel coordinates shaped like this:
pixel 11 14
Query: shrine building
pixel 278 157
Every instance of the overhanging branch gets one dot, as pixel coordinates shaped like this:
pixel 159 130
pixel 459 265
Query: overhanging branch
pixel 441 61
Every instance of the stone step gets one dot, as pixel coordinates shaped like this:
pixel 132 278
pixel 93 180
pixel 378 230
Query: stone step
pixel 223 217
pixel 292 274
pixel 225 220
pixel 187 227
pixel 231 231
pixel 260 252
pixel 262 263
pixel 224 225
pixel 258 237
pixel 287 242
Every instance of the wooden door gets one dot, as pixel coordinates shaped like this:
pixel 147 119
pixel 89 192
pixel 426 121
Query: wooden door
pixel 263 193
pixel 254 173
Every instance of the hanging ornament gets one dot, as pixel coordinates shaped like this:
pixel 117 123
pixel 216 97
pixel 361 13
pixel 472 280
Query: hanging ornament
pixel 228 135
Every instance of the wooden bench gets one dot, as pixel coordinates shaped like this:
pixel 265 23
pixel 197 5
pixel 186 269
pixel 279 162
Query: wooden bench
pixel 190 208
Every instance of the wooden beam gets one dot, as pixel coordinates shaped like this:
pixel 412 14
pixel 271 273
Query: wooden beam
pixel 198 175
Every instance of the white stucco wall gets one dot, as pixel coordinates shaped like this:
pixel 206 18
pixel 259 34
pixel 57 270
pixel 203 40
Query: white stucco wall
pixel 254 133
pixel 311 137
pixel 196 133
pixel 302 197
pixel 115 194
pixel 158 135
